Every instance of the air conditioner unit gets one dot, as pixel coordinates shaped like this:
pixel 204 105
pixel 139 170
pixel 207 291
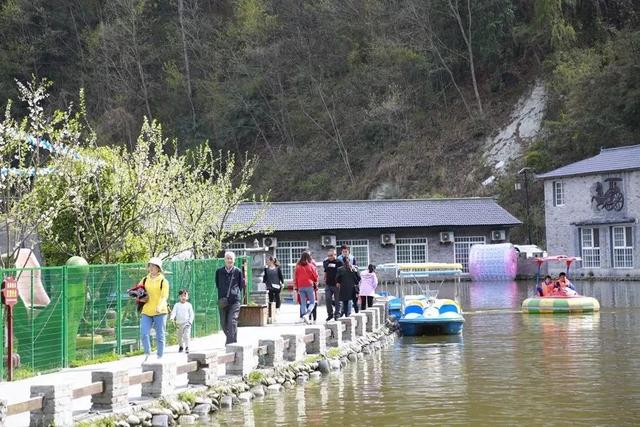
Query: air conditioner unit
pixel 269 242
pixel 328 241
pixel 498 235
pixel 387 239
pixel 446 236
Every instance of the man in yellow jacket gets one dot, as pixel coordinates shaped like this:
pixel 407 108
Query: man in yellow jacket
pixel 155 310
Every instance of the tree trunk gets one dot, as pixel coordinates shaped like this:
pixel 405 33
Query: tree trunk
pixel 187 68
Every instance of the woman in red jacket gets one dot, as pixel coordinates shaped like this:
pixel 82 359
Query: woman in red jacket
pixel 305 280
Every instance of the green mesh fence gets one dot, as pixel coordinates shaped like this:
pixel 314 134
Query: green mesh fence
pixel 78 313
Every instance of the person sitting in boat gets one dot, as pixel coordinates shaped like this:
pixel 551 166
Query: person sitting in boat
pixel 546 287
pixel 565 282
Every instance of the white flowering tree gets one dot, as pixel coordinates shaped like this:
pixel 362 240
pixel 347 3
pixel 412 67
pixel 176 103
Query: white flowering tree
pixel 211 189
pixel 26 148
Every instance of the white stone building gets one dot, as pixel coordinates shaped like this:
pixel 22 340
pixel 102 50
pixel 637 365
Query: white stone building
pixel 592 209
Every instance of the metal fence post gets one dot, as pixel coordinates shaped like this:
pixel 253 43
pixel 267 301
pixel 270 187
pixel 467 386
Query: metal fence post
pixel 119 309
pixel 65 317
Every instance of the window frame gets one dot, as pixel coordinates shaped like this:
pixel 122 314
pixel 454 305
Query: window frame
pixel 459 241
pixel 240 250
pixel 594 247
pixel 413 242
pixel 290 246
pixel 625 251
pixel 558 196
pixel 352 246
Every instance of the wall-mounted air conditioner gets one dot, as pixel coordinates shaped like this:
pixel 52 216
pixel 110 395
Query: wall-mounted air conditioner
pixel 446 237
pixel 387 239
pixel 328 241
pixel 269 242
pixel 497 235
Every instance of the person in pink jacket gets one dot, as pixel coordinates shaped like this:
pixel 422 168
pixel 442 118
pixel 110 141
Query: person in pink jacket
pixel 368 284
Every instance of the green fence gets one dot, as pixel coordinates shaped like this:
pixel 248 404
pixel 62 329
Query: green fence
pixel 75 313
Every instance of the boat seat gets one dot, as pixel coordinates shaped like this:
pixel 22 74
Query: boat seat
pixel 413 309
pixel 448 308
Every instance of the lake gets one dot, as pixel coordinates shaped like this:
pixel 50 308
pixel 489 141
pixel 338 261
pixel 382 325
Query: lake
pixel 506 368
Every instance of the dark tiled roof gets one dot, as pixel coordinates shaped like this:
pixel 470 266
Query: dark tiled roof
pixel 609 160
pixel 377 214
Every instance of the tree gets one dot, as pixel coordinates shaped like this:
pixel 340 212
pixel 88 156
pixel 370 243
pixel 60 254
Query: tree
pixel 27 146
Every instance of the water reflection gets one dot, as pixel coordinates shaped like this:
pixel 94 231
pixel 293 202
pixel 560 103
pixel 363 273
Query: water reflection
pixel 507 368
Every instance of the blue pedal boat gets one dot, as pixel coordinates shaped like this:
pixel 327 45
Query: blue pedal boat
pixel 422 316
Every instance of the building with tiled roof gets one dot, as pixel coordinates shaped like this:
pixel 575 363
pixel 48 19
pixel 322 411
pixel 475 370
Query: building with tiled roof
pixel 591 210
pixel 378 231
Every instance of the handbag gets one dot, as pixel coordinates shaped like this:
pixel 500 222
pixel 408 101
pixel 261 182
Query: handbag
pixel 224 301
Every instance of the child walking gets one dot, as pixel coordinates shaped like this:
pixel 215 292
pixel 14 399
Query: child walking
pixel 182 314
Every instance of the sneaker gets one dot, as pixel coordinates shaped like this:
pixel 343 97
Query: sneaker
pixel 329 318
pixel 305 319
pixel 180 349
pixel 186 350
pixel 146 357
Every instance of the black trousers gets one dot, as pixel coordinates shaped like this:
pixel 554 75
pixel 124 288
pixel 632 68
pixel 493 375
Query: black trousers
pixel 229 322
pixel 274 296
pixel 367 301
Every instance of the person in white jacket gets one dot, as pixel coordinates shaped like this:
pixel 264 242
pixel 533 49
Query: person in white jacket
pixel 182 314
pixel 368 284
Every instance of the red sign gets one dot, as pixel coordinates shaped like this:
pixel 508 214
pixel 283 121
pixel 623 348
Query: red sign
pixel 9 291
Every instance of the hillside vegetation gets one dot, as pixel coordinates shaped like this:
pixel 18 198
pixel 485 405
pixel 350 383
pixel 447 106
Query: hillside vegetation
pixel 341 98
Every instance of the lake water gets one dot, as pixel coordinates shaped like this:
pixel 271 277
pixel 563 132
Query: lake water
pixel 507 368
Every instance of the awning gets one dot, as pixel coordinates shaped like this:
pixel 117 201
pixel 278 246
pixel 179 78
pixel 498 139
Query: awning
pixel 605 221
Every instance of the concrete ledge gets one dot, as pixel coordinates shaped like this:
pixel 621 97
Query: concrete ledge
pixel 372 319
pixel 207 371
pixel 275 352
pixel 115 390
pixel 350 328
pixel 245 361
pixel 296 350
pixel 335 340
pixel 361 323
pixel 164 379
pixel 319 343
pixel 57 405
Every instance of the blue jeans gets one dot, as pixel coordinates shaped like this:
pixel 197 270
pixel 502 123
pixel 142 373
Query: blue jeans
pixel 306 294
pixel 158 322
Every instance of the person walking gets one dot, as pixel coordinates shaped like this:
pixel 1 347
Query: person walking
pixel 230 284
pixel 182 314
pixel 305 280
pixel 345 252
pixel 347 280
pixel 331 265
pixel 273 280
pixel 155 309
pixel 368 284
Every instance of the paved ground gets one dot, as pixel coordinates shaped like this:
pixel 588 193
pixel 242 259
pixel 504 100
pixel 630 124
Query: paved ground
pixel 287 322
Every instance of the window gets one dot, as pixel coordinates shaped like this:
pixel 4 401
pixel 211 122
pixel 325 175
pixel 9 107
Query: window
pixel 590 243
pixel 622 247
pixel 412 250
pixel 462 246
pixel 240 249
pixel 558 193
pixel 359 249
pixel 288 254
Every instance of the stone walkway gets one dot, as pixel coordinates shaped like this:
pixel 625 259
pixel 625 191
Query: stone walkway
pixel 288 322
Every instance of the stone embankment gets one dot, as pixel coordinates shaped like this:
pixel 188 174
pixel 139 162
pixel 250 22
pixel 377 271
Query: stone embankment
pixel 187 407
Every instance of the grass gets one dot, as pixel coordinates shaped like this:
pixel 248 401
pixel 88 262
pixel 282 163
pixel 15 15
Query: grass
pixel 334 353
pixel 255 377
pixel 188 397
pixel 110 357
pixel 23 372
pixel 102 422
pixel 313 358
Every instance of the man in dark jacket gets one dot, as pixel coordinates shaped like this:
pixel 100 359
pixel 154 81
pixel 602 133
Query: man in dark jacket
pixel 331 266
pixel 230 284
pixel 348 279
